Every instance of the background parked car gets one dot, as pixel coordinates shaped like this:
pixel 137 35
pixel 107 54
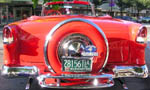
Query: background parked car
pixel 128 18
pixel 144 20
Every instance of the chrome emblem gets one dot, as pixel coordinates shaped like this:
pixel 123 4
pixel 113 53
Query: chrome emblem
pixel 90 48
pixel 90 51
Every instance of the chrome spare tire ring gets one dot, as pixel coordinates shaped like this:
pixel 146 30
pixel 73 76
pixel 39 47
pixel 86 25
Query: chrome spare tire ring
pixel 50 34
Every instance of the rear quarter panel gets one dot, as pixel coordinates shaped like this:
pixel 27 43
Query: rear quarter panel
pixel 123 47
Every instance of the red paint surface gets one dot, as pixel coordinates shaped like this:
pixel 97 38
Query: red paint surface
pixel 30 35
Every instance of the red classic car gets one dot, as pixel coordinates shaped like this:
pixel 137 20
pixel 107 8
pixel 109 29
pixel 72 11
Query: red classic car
pixel 68 46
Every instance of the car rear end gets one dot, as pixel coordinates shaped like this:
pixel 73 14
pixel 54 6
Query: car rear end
pixel 73 52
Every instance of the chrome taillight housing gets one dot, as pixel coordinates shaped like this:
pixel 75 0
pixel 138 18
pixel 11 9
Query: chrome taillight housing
pixel 142 35
pixel 8 37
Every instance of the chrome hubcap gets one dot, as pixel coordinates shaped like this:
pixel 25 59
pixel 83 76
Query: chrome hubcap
pixel 73 45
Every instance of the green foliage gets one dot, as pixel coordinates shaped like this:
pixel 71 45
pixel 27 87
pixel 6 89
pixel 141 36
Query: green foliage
pixel 56 7
pixel 97 2
pixel 145 3
pixel 139 4
pixel 125 3
pixel 35 3
pixel 45 1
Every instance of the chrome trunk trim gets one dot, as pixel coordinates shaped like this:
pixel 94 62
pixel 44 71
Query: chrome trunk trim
pixel 16 72
pixel 131 71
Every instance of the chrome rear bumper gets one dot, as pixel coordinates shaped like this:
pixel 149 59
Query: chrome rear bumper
pixel 93 81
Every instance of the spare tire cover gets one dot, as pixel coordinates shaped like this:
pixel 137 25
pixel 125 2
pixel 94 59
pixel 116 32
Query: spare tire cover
pixel 75 26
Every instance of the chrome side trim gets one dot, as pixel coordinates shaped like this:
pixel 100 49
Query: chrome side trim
pixel 90 84
pixel 131 71
pixel 16 72
pixel 53 30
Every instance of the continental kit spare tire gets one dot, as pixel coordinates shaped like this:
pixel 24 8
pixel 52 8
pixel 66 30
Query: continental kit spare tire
pixel 76 46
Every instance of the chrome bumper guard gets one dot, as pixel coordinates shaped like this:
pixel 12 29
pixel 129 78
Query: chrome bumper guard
pixel 94 81
pixel 16 72
pixel 131 71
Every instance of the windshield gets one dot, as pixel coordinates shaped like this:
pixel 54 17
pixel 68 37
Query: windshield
pixel 67 8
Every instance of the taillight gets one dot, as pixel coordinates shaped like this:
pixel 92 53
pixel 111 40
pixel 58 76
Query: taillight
pixel 142 35
pixel 7 35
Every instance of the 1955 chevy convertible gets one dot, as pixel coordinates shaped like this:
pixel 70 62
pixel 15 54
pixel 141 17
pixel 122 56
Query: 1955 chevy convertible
pixel 68 46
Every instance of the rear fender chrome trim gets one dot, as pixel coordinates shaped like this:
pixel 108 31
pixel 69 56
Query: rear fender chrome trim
pixel 16 72
pixel 131 71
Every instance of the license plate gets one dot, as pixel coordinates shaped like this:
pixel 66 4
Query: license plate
pixel 76 65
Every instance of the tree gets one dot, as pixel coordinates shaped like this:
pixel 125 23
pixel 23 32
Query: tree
pixel 97 2
pixel 124 4
pixel 35 3
pixel 137 4
pixel 145 3
pixel 141 5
